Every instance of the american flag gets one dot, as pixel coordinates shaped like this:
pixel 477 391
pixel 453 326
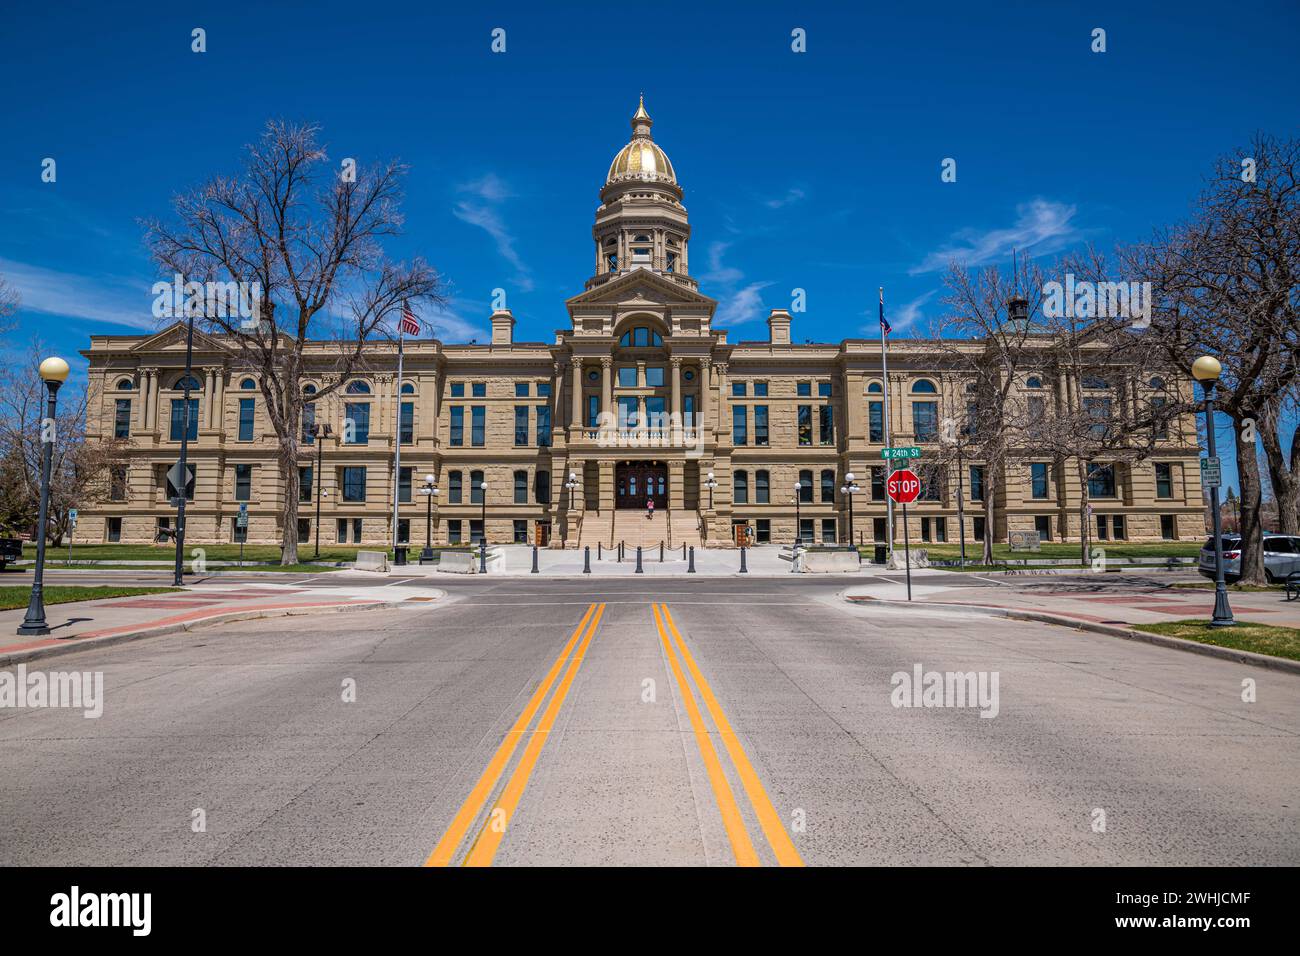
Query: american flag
pixel 409 325
pixel 884 322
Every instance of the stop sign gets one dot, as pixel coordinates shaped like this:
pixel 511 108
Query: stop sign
pixel 903 486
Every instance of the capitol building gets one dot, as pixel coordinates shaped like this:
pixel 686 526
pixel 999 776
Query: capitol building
pixel 565 443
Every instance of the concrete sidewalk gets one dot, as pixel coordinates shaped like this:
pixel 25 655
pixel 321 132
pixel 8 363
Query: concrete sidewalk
pixel 763 561
pixel 80 624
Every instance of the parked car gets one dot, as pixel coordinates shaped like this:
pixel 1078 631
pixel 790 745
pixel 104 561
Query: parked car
pixel 11 549
pixel 1281 557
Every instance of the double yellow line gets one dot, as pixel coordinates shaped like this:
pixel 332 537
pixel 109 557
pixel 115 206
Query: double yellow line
pixel 494 826
pixel 742 846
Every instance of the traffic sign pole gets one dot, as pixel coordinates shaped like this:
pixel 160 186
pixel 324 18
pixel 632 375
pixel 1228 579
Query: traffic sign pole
pixel 907 551
pixel 903 486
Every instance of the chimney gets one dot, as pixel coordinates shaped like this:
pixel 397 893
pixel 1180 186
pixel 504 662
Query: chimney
pixel 503 327
pixel 778 327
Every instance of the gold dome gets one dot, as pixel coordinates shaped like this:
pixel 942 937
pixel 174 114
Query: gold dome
pixel 641 158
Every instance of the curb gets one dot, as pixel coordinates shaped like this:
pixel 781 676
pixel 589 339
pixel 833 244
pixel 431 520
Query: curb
pixel 92 643
pixel 1127 633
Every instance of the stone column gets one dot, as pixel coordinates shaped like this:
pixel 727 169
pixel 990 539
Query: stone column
pixel 676 410
pixel 676 484
pixel 703 423
pixel 427 418
pixel 557 400
pixel 724 413
pixel 575 418
pixel 209 394
pixel 219 401
pixel 606 386
pixel 142 412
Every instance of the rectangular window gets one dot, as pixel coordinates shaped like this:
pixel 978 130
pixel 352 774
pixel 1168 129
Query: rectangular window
pixel 114 530
pixel 453 531
pixel 877 482
pixel 477 425
pixel 475 531
pixel 305 483
pixel 976 482
pixel 763 531
pixel 941 529
pixel 356 530
pixel 521 389
pixel 453 487
pixel 543 389
pixel 925 529
pixel 309 423
pixel 760 389
pixel 1036 409
pixel 828 487
pixel 1098 409
pixel 627 376
pixel 521 530
pixel 655 416
pixel 931 483
pixel 824 389
pixel 1103 527
pixel 354 483
pixel 1164 480
pixel 476 487
pixel 688 410
pixel 738 389
pixel 543 426
pixel 404 485
pixel 876 422
pixel 826 424
pixel 341 531
pixel 478 390
pixel 1042 525
pixel 122 419
pixel 829 531
pixel 406 423
pixel 1117 527
pixel 403 530
pixel 542 487
pixel 925 421
pixel 457 389
pixel 1168 528
pixel 593 411
pixel 246 419
pixel 1038 480
pixel 806 531
pixel 762 488
pixel 521 424
pixel 356 423
pixel 805 424
pixel 803 389
pixel 627 409
pixel 760 424
pixel 117 483
pixel 457 425
pixel 178 420
pixel 739 425
pixel 740 488
pixel 654 376
pixel 304 529
pixel 243 482
pixel 521 487
pixel 879 529
pixel 1101 481
pixel 977 528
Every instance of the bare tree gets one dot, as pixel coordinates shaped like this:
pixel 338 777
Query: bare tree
pixel 308 240
pixel 10 301
pixel 1226 283
pixel 81 472
pixel 1283 472
pixel 991 347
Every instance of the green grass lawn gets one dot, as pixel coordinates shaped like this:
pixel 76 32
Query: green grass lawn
pixel 259 554
pixel 1260 638
pixel 1056 549
pixel 19 597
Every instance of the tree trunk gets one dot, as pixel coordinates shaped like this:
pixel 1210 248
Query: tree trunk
pixel 1252 536
pixel 1085 526
pixel 289 484
pixel 990 515
pixel 1286 486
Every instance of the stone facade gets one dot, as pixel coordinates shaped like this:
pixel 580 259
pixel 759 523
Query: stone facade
pixel 639 388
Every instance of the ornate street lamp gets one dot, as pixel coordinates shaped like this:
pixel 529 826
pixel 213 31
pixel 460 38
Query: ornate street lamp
pixel 429 489
pixel 572 486
pixel 798 525
pixel 710 482
pixel 482 547
pixel 1206 370
pixel 318 432
pixel 848 490
pixel 54 372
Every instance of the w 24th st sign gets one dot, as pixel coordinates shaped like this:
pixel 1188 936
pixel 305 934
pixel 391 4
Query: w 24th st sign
pixel 903 486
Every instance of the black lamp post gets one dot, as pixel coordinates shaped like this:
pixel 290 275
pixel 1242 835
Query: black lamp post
pixel 798 524
pixel 182 472
pixel 429 490
pixel 482 547
pixel 318 432
pixel 1206 370
pixel 848 490
pixel 54 372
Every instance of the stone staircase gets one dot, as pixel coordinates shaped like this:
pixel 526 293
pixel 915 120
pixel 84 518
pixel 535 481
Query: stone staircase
pixel 634 528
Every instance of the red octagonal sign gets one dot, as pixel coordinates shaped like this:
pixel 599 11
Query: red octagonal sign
pixel 903 486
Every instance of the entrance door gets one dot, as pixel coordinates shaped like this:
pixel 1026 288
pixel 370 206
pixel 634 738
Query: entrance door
pixel 637 481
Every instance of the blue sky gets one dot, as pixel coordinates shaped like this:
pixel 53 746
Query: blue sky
pixel 818 170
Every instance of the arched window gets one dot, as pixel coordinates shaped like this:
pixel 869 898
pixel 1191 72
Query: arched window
pixel 309 389
pixel 805 486
pixel 476 487
pixel 828 487
pixel 453 487
pixel 125 384
pixel 408 388
pixel 358 387
pixel 874 388
pixel 188 381
pixel 1033 382
pixel 248 384
pixel 740 486
pixel 924 386
pixel 640 337
pixel 762 488
pixel 542 488
pixel 1157 382
pixel 641 238
pixel 521 487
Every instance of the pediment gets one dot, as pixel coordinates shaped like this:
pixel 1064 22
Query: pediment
pixel 172 339
pixel 641 287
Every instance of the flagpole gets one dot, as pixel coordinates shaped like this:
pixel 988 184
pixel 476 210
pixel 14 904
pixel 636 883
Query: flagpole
pixel 397 439
pixel 889 462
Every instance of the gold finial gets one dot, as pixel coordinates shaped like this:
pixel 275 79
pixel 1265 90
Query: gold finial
pixel 641 114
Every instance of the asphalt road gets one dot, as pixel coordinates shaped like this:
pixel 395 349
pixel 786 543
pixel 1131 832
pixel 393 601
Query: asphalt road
pixel 674 721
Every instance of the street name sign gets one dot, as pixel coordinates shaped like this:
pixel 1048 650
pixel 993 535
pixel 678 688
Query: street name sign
pixel 910 451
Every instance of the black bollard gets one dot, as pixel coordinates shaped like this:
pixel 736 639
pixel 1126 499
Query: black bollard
pixel 620 552
pixel 638 560
pixel 586 559
pixel 482 556
pixel 690 564
pixel 597 550
pixel 661 552
pixel 535 559
pixel 683 550
pixel 743 569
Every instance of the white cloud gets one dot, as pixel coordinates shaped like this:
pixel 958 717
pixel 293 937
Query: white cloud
pixel 490 192
pixel 718 273
pixel 900 317
pixel 1041 226
pixel 82 298
pixel 745 305
pixel 794 195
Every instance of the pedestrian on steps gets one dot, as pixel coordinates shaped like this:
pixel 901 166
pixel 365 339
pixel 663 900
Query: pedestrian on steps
pixel 650 508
